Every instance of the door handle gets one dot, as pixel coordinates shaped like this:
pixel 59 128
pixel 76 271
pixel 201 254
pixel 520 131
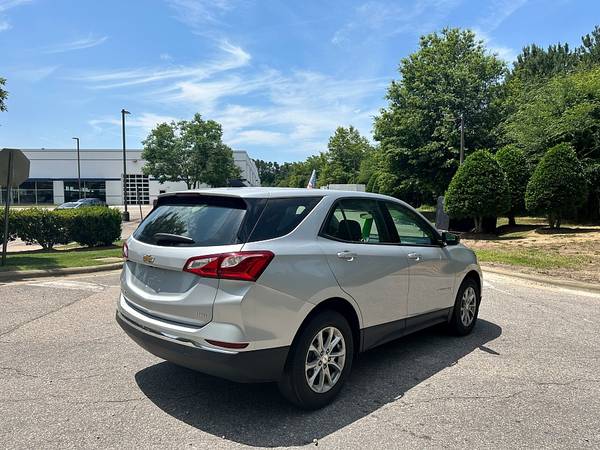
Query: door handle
pixel 348 256
pixel 414 256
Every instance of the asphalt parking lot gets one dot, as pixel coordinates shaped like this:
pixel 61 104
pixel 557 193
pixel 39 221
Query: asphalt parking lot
pixel 529 376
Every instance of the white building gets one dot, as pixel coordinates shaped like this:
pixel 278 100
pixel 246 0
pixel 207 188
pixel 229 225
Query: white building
pixel 53 177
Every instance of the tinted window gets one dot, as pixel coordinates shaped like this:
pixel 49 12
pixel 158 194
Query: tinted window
pixel 207 220
pixel 281 216
pixel 410 227
pixel 356 220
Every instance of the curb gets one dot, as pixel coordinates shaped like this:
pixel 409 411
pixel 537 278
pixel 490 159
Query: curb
pixel 579 285
pixel 23 274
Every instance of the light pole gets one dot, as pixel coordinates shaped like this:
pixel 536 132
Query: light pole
pixel 125 212
pixel 78 168
pixel 461 117
pixel 462 138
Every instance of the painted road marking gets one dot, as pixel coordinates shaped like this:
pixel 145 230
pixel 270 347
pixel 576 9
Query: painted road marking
pixel 70 284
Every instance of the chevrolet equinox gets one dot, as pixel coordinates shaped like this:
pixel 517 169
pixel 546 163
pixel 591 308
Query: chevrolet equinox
pixel 289 285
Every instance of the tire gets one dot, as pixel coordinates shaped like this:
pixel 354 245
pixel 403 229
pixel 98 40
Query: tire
pixel 294 384
pixel 460 324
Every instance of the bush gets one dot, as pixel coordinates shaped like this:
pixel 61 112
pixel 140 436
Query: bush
pixel 514 163
pixel 12 225
pixel 97 226
pixel 478 189
pixel 558 186
pixel 42 226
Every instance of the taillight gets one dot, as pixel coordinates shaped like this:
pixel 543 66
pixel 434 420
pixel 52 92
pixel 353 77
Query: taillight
pixel 125 250
pixel 246 266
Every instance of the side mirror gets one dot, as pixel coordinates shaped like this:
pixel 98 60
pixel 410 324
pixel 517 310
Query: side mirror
pixel 450 238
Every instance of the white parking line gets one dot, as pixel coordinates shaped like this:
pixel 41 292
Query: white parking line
pixel 69 284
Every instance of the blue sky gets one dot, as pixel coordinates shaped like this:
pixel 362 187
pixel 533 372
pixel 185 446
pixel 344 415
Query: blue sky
pixel 278 75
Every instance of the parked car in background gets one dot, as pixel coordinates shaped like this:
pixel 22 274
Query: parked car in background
pixel 289 285
pixel 84 202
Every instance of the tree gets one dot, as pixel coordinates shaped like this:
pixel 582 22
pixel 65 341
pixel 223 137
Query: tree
pixel 346 151
pixel 190 151
pixel 451 73
pixel 512 160
pixel 558 186
pixel 3 94
pixel 479 189
pixel 566 108
pixel 592 175
pixel 534 64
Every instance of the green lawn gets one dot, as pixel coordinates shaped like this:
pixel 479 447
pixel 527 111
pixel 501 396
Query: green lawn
pixel 530 258
pixel 54 259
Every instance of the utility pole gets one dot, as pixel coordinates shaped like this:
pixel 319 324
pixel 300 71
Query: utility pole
pixel 125 214
pixel 462 138
pixel 78 168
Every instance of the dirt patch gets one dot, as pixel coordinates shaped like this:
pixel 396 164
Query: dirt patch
pixel 578 247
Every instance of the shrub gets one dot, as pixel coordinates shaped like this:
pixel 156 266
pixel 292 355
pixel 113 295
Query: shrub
pixel 514 163
pixel 97 226
pixel 478 189
pixel 558 186
pixel 12 225
pixel 42 226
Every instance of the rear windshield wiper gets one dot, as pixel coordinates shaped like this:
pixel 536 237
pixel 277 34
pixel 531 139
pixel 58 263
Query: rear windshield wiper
pixel 168 238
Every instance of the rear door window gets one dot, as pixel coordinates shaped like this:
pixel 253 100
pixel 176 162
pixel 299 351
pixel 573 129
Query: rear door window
pixel 357 220
pixel 207 221
pixel 281 216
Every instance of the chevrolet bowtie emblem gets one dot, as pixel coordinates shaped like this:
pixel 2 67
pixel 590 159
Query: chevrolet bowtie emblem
pixel 148 259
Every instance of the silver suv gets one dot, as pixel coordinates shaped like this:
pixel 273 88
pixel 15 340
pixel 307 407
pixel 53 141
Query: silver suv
pixel 289 285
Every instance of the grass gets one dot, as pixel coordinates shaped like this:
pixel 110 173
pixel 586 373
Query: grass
pixel 537 259
pixel 55 259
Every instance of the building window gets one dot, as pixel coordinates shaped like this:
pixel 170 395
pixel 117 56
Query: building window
pixel 31 193
pixel 137 189
pixel 89 189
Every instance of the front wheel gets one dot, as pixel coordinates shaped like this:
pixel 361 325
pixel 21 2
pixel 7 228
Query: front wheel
pixel 319 362
pixel 466 308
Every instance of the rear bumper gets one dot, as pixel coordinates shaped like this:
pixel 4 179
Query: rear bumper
pixel 244 367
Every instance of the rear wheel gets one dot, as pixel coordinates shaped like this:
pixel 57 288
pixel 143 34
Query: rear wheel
pixel 319 361
pixel 466 308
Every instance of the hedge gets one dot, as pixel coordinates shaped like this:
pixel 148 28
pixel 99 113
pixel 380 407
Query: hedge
pixel 96 226
pixel 92 226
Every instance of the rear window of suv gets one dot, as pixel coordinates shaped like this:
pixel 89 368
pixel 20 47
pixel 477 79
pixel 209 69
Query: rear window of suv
pixel 281 216
pixel 207 221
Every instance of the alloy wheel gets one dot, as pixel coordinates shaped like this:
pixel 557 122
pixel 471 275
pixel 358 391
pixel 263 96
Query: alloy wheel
pixel 325 359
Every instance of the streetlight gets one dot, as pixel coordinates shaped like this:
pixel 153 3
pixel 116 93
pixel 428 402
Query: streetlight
pixel 78 167
pixel 125 214
pixel 462 138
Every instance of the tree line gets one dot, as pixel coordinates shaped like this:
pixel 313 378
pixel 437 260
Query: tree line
pixel 549 97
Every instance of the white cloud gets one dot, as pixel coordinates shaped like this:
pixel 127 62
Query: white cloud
pixel 199 13
pixel 5 5
pixel 371 18
pixel 231 57
pixel 258 107
pixel 77 44
pixel 258 137
pixel 143 123
pixel 497 12
pixel 33 75
pixel 503 52
pixel 165 56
